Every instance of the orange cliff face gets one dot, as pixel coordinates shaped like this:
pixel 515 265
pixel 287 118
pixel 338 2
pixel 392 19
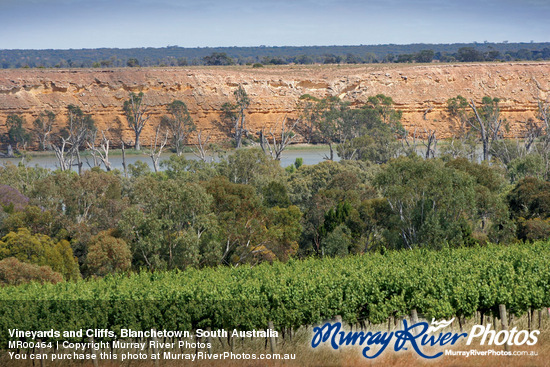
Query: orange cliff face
pixel 419 91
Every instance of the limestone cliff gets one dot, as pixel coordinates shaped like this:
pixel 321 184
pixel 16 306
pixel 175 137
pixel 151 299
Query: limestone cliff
pixel 420 92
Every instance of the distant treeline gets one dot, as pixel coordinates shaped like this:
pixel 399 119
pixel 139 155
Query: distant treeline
pixel 264 55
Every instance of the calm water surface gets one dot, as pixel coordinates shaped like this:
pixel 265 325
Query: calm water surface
pixel 310 155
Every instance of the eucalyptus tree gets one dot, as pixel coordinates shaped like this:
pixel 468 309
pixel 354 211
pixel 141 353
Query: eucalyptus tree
pixel 430 203
pixel 43 126
pixel 17 134
pixel 234 114
pixel 179 123
pixel 484 120
pixel 136 112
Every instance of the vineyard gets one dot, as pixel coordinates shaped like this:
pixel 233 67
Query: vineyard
pixel 369 288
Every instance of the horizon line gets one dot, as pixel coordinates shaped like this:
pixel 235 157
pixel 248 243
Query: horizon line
pixel 274 46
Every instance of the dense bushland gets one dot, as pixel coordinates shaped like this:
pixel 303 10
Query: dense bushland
pixel 388 191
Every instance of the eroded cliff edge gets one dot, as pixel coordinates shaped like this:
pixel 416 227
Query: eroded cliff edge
pixel 420 91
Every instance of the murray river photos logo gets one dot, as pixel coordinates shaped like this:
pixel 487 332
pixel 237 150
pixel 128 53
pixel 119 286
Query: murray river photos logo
pixel 417 336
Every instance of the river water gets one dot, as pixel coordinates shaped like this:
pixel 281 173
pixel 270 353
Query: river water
pixel 310 155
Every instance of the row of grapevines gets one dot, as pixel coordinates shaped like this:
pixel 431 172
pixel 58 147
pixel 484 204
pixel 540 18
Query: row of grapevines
pixel 373 287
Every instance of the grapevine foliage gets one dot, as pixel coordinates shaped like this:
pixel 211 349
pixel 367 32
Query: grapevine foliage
pixel 438 284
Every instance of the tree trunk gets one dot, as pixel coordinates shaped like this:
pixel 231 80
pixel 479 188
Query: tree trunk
pixel 78 162
pixel 238 139
pixel 485 148
pixel 124 159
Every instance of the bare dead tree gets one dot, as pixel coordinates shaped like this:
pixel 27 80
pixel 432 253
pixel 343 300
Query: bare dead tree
pixel 200 150
pixel 488 124
pixel 91 147
pixel 482 122
pixel 544 146
pixel 79 129
pixel 404 139
pixel 532 132
pixel 544 114
pixel 275 144
pixel 102 152
pixel 65 161
pixel 124 166
pixel 428 110
pixel 430 144
pixel 157 146
pixel 453 149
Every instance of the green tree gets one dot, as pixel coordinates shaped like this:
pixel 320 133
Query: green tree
pixel 335 217
pixel 530 198
pixel 22 177
pixel 139 169
pixel 250 167
pixel 530 165
pixel 43 126
pixel 276 194
pixel 17 134
pixel 217 59
pixel 330 124
pixel 41 250
pixel 469 54
pixel 353 59
pixel 235 115
pixel 366 133
pixel 308 106
pixel 108 254
pixel 424 56
pixel 320 188
pixel 188 170
pixel 533 229
pixel 93 198
pixel 492 214
pixel 283 231
pixel 430 202
pixel 170 224
pixel 82 205
pixel 405 58
pixel 371 131
pixel 242 220
pixel 337 242
pixel 136 112
pixel 36 219
pixel 179 123
pixel 132 62
pixel 306 182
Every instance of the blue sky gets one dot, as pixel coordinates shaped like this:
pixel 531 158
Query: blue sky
pixel 63 24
